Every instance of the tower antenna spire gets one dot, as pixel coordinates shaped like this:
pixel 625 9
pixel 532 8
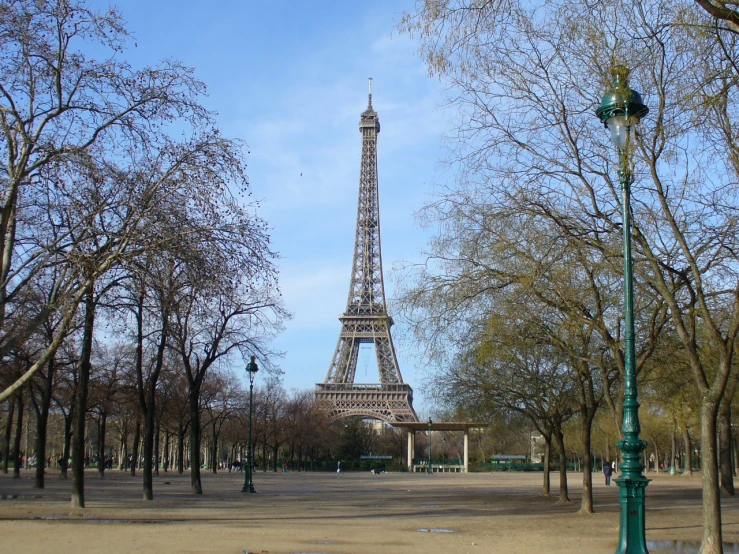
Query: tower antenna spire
pixel 369 102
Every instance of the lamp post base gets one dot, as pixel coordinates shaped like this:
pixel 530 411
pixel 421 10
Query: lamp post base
pixel 632 535
pixel 248 481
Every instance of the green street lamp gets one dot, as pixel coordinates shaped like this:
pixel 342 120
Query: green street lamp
pixel 620 110
pixel 430 469
pixel 251 369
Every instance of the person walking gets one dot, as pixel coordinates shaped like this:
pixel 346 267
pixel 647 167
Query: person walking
pixel 608 471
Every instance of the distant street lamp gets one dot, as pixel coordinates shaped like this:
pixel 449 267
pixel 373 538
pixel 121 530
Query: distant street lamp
pixel 430 469
pixel 620 110
pixel 251 369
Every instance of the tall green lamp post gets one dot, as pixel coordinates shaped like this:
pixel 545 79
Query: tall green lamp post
pixel 430 469
pixel 620 110
pixel 251 369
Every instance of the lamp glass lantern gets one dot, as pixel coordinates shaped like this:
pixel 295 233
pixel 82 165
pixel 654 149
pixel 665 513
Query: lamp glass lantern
pixel 621 109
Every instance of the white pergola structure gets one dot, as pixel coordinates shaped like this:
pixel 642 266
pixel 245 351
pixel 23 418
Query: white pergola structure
pixel 415 426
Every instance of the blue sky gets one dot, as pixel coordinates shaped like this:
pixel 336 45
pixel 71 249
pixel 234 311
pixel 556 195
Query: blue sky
pixel 290 78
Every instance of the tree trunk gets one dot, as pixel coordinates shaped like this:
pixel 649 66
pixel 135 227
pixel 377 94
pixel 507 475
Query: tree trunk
pixel 102 426
pixel 586 506
pixel 165 466
pixel 42 421
pixel 194 399
pixel 7 434
pixel 180 449
pixel 147 393
pixel 560 440
pixel 67 447
pixel 123 448
pixel 673 448
pixel 80 407
pixel 547 484
pixel 712 542
pixel 157 441
pixel 17 455
pixel 726 466
pixel 135 447
pixel 149 429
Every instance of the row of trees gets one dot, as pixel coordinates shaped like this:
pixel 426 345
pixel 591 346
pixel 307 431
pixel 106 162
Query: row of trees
pixel 287 427
pixel 524 278
pixel 129 243
pixel 284 425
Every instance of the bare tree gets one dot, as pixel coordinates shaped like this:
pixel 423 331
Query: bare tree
pixel 209 330
pixel 269 408
pixel 56 103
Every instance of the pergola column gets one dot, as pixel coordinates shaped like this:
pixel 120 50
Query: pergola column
pixel 411 448
pixel 466 450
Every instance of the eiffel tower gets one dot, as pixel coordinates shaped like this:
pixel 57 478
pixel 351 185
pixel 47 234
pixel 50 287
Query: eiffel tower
pixel 366 319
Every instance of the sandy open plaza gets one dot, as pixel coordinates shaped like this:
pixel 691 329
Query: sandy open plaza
pixel 328 513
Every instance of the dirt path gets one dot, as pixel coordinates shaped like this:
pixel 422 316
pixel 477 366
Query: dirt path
pixel 354 513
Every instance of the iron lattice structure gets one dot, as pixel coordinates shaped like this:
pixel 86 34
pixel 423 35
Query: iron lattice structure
pixel 366 319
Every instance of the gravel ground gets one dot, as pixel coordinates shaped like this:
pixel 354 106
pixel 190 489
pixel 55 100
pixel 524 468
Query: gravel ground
pixel 352 513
